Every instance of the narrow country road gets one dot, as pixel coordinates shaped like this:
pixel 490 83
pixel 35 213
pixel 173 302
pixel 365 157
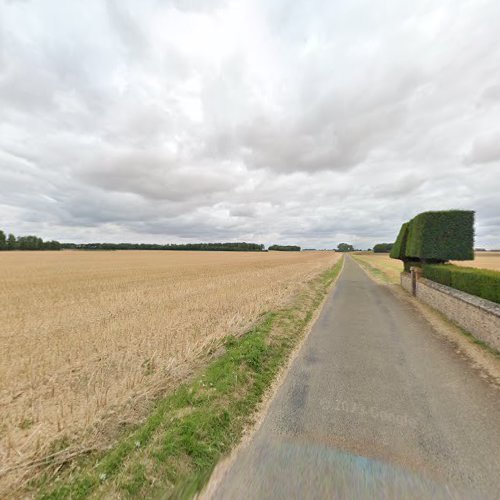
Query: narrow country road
pixel 375 405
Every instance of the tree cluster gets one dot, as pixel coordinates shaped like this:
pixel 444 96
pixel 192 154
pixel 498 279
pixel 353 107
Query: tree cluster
pixel 285 248
pixel 344 247
pixel 11 242
pixel 225 247
pixel 383 247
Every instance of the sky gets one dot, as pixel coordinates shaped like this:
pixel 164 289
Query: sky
pixel 272 121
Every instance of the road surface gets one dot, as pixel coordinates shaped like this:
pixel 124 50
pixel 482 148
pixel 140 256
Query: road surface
pixel 375 405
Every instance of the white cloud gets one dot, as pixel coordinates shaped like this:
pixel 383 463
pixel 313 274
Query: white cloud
pixel 308 122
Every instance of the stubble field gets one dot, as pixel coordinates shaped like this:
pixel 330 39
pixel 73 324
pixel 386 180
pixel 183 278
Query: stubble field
pixel 484 260
pixel 89 337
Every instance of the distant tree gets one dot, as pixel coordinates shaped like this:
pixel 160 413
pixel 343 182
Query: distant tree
pixel 52 245
pixel 29 242
pixel 217 247
pixel 344 247
pixel 11 242
pixel 285 248
pixel 383 247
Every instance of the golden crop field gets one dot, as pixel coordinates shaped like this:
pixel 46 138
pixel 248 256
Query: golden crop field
pixel 484 260
pixel 87 336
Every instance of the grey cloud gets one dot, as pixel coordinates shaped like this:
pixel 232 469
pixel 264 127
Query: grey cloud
pixel 155 176
pixel 485 149
pixel 304 123
pixel 490 95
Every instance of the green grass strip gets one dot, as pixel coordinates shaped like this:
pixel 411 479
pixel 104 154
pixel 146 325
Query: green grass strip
pixel 172 454
pixel 375 271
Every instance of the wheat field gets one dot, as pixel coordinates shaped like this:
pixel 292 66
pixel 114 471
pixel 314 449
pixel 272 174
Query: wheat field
pixel 483 260
pixel 87 336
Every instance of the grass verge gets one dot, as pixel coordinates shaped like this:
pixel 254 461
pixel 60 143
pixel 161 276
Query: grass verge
pixel 375 271
pixel 483 345
pixel 173 453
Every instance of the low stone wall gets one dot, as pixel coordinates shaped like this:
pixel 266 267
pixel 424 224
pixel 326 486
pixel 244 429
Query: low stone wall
pixel 479 317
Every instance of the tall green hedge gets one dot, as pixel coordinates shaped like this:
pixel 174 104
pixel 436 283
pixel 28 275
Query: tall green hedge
pixel 398 250
pixel 483 283
pixel 441 236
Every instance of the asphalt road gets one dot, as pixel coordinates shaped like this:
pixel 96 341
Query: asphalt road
pixel 375 405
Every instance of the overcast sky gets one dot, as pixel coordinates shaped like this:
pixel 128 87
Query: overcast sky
pixel 271 121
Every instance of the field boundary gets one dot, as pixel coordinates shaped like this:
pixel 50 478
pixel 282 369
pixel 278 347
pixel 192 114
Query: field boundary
pixel 173 453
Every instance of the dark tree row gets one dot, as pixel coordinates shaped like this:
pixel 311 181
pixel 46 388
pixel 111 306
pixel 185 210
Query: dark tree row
pixel 383 247
pixel 285 248
pixel 226 247
pixel 30 242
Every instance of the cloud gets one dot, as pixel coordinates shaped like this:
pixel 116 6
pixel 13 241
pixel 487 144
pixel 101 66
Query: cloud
pixel 485 149
pixel 310 123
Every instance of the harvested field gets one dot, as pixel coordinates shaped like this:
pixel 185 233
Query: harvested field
pixel 87 337
pixel 484 260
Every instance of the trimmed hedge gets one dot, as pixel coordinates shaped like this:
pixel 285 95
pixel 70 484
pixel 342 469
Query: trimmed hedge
pixel 399 248
pixel 483 283
pixel 444 235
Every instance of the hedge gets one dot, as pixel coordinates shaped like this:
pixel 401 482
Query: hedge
pixel 399 248
pixel 444 235
pixel 483 283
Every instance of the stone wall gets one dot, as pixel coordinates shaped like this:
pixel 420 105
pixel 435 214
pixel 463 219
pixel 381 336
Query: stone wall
pixel 479 317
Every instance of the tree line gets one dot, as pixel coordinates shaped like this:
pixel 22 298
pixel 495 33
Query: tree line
pixel 285 248
pixel 30 242
pixel 224 247
pixel 383 247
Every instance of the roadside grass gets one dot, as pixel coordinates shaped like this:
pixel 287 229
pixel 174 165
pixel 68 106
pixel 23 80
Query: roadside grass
pixel 172 454
pixel 480 343
pixel 377 268
pixel 484 345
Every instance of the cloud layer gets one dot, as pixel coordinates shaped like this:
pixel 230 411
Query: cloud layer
pixel 309 122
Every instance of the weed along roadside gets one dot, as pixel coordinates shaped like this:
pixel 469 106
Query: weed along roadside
pixel 174 451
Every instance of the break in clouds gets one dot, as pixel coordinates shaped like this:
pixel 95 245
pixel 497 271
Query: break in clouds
pixel 308 122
